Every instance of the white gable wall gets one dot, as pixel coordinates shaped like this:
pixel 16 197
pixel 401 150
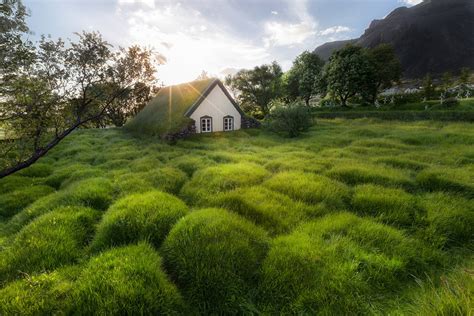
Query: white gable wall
pixel 216 105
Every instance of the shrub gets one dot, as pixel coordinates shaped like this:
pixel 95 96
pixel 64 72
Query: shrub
pixel 147 216
pixel 338 265
pixel 221 178
pixel 126 281
pixel 451 219
pixel 214 257
pixel 37 170
pixel 446 179
pixel 392 206
pixel 276 212
pixel 310 188
pixel 50 241
pixel 289 119
pixel 352 172
pixel 43 294
pixel 13 202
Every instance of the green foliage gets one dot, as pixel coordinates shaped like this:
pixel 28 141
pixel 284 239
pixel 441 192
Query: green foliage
pixel 126 281
pixel 212 180
pixel 51 241
pixel 13 183
pixel 348 72
pixel 392 206
pixel 446 179
pixel 289 119
pixel 337 265
pixel 301 78
pixel 37 170
pixel 214 257
pixel 147 216
pixel 310 188
pixel 13 202
pixel 257 88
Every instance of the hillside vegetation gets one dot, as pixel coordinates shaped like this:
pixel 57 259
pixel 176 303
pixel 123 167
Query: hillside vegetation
pixel 354 217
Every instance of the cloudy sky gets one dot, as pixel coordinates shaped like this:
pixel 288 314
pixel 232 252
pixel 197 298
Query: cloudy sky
pixel 218 36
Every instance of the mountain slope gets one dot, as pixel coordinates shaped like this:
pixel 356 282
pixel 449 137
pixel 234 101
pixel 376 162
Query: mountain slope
pixel 433 37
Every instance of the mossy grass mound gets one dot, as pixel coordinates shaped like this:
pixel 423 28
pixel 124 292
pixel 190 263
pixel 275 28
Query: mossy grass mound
pixel 338 265
pixel 148 216
pixel 51 241
pixel 353 172
pixel 214 256
pixel 310 188
pixel 402 163
pixel 275 212
pixel 41 294
pixel 391 206
pixel 37 170
pixel 14 182
pixel 451 219
pixel 447 179
pixel 13 202
pixel 126 281
pixel 221 178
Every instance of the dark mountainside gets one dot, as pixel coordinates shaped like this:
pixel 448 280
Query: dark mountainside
pixel 433 37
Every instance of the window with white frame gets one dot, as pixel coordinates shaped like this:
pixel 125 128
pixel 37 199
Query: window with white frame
pixel 206 124
pixel 228 123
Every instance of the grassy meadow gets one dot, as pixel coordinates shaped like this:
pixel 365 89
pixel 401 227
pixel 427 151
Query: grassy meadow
pixel 354 217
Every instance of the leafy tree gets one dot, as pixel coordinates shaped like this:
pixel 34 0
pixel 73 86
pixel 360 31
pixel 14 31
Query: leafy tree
pixel 255 88
pixel 65 87
pixel 447 80
pixel 348 72
pixel 290 119
pixel 303 75
pixel 386 70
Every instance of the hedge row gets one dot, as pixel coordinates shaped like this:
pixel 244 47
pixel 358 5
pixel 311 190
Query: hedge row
pixel 465 116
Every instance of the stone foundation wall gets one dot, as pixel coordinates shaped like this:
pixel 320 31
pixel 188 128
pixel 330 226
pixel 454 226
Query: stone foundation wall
pixel 183 133
pixel 249 122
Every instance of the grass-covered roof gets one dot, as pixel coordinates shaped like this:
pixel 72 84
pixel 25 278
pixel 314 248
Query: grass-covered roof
pixel 166 112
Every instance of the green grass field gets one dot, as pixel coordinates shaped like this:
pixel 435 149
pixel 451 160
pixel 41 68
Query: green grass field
pixel 354 217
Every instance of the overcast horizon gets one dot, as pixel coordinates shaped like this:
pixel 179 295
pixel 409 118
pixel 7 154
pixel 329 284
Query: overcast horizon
pixel 215 36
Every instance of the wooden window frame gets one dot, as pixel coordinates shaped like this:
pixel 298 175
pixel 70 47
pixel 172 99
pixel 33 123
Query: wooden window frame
pixel 232 123
pixel 201 125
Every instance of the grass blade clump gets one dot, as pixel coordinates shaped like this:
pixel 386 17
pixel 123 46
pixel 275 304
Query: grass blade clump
pixel 42 294
pixel 391 206
pixel 353 172
pixel 126 281
pixel 447 179
pixel 451 219
pixel 96 193
pixel 221 178
pixel 338 265
pixel 37 170
pixel 310 188
pixel 214 256
pixel 14 182
pixel 165 179
pixel 147 216
pixel 13 202
pixel 50 241
pixel 275 212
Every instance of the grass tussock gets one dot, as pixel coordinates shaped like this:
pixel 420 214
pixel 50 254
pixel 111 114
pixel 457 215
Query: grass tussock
pixel 214 257
pixel 148 216
pixel 13 202
pixel 213 180
pixel 391 206
pixel 310 188
pixel 51 241
pixel 337 265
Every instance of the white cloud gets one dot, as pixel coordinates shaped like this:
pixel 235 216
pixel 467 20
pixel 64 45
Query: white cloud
pixel 189 42
pixel 411 2
pixel 274 12
pixel 291 33
pixel 334 30
pixel 148 3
